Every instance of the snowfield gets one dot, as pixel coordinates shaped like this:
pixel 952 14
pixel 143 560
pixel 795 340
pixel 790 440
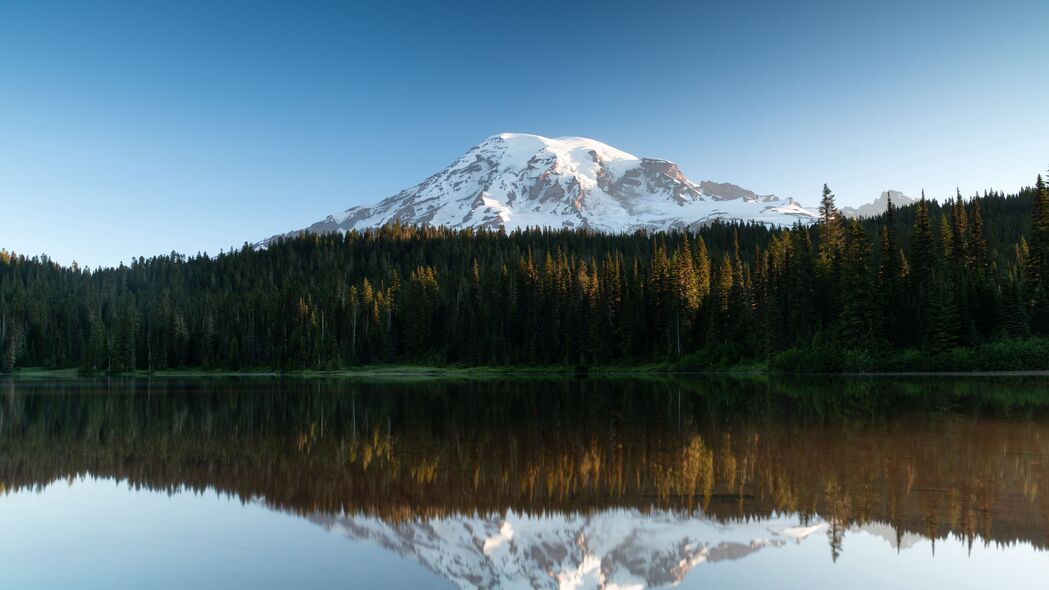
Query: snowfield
pixel 517 181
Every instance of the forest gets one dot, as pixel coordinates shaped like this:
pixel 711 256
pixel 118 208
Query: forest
pixel 957 284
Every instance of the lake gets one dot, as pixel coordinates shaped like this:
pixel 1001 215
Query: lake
pixel 698 482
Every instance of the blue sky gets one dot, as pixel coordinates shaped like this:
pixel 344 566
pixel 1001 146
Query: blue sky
pixel 137 128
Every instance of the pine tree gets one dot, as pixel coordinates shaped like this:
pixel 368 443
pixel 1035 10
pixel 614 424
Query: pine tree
pixel 923 260
pixel 891 275
pixel 801 306
pixel 96 353
pixel 353 305
pixel 831 231
pixel 330 301
pixel 941 323
pixel 1038 263
pixel 739 300
pixel 124 358
pixel 978 255
pixel 702 267
pixel 855 323
pixel 12 344
pixel 721 320
pixel 1037 271
pixel 686 292
pixel 662 293
pixel 1013 322
pixel 923 246
pixel 946 238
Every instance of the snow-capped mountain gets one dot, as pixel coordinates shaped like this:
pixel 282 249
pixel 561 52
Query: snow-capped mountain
pixel 879 205
pixel 517 180
pixel 609 549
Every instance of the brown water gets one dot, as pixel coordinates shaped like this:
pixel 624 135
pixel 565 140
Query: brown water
pixel 700 482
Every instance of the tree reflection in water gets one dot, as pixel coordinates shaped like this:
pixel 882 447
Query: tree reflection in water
pixel 958 457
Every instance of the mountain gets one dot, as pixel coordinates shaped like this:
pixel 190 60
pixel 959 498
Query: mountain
pixel 879 205
pixel 616 548
pixel 517 181
pixel 612 548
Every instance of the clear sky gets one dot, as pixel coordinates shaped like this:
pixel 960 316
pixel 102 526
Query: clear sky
pixel 136 128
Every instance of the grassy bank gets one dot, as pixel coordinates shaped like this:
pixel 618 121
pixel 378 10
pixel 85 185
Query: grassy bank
pixel 1016 355
pixel 1010 355
pixel 378 371
pixel 1029 354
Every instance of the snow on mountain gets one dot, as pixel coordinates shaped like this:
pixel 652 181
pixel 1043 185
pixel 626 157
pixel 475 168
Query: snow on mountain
pixel 609 549
pixel 516 180
pixel 895 539
pixel 879 205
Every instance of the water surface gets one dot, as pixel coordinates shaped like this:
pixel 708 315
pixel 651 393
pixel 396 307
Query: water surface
pixel 700 482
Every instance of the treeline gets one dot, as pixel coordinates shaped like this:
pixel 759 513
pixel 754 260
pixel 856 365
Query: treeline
pixel 928 277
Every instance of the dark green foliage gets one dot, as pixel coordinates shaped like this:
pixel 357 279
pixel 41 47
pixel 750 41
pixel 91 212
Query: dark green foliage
pixel 837 295
pixel 856 322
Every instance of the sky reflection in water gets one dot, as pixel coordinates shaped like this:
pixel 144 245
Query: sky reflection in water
pixel 715 484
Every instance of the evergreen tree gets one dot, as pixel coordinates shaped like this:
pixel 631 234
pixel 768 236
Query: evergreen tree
pixel 1038 262
pixel 923 247
pixel 978 254
pixel 12 345
pixel 946 238
pixel 546 296
pixel 831 231
pixel 1037 271
pixel 124 357
pixel 801 305
pixel 891 275
pixel 686 293
pixel 856 320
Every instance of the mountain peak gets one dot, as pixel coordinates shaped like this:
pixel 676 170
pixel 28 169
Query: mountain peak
pixel 568 147
pixel 521 180
pixel 879 205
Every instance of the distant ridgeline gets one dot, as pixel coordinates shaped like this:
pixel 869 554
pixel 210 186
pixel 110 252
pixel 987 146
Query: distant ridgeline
pixel 922 286
pixel 960 457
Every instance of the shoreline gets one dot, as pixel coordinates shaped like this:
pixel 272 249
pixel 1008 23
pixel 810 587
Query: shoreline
pixel 485 372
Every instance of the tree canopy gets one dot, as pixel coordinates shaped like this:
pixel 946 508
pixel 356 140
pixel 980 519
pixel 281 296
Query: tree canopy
pixel 927 276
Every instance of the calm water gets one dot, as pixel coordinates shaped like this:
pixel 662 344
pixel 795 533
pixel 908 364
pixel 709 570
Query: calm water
pixel 699 483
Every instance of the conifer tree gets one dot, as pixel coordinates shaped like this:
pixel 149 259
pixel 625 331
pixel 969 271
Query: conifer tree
pixel 12 344
pixel 960 231
pixel 891 274
pixel 125 351
pixel 941 321
pixel 831 230
pixel 923 247
pixel 686 292
pixel 1037 271
pixel 662 293
pixel 922 260
pixel 353 302
pixel 946 238
pixel 739 298
pixel 1038 262
pixel 480 297
pixel 978 255
pixel 856 322
pixel 702 266
pixel 723 293
pixel 801 307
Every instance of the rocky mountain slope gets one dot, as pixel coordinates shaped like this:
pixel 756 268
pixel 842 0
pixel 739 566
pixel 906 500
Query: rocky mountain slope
pixel 518 181
pixel 879 205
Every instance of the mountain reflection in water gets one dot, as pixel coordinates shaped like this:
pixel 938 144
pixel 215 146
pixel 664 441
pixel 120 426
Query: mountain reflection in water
pixel 565 482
